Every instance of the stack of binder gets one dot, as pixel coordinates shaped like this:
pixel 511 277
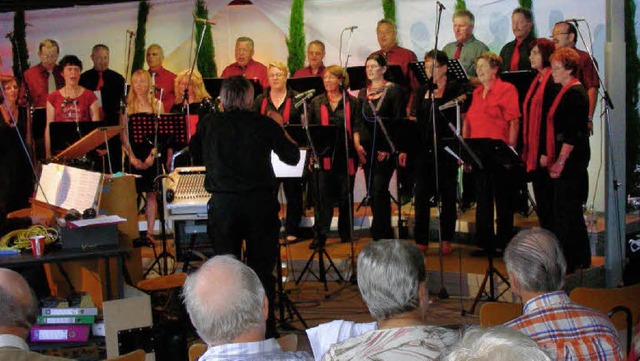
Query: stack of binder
pixel 65 324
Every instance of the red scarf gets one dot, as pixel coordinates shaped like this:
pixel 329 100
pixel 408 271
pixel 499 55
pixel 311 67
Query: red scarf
pixel 532 120
pixel 324 120
pixel 551 144
pixel 285 113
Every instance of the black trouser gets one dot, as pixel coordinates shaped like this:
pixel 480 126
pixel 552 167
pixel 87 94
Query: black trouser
pixel 332 188
pixel 494 185
pixel 252 217
pixel 426 189
pixel 292 188
pixel 378 186
pixel 567 193
pixel 543 191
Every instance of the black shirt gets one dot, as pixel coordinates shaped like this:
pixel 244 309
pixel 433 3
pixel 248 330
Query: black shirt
pixel 391 112
pixel 236 148
pixel 294 114
pixel 570 126
pixel 111 92
pixel 507 53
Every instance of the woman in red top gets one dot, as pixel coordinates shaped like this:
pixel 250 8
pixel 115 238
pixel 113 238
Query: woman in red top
pixel 71 103
pixel 493 114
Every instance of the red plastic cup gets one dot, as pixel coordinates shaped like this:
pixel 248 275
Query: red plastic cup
pixel 37 245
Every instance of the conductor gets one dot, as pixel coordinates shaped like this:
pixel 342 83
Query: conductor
pixel 236 147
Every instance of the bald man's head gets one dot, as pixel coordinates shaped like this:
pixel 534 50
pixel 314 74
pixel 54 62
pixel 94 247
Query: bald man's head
pixel 18 305
pixel 225 300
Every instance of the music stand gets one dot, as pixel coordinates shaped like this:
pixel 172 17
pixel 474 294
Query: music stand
pixel 494 155
pixel 89 142
pixel 39 124
pixel 64 134
pixel 303 84
pixel 358 76
pixel 456 71
pixel 321 139
pixel 213 86
pixel 169 130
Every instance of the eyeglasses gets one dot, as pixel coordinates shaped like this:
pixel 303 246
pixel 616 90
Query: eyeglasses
pixel 276 76
pixel 557 68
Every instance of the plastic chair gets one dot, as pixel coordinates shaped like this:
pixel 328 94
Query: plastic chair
pixel 137 355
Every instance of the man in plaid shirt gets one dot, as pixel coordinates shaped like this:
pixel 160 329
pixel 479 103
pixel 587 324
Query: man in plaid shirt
pixel 536 268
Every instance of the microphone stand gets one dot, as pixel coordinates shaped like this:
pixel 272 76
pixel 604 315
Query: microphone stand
pixel 123 100
pixel 443 294
pixel 193 65
pixel 608 105
pixel 352 256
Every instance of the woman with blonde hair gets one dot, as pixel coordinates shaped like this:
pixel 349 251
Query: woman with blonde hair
pixel 142 156
pixel 199 99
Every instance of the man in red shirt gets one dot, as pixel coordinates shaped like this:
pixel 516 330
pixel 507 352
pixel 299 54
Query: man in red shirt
pixel 387 38
pixel 245 65
pixel 315 58
pixel 161 77
pixel 45 77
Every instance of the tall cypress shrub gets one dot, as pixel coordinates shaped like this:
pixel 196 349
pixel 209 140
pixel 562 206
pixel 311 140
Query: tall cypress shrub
pixel 296 40
pixel 461 5
pixel 389 9
pixel 206 58
pixel 20 53
pixel 141 33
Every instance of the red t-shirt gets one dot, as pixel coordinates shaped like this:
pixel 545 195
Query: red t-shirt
pixel 70 109
pixel 253 70
pixel 488 117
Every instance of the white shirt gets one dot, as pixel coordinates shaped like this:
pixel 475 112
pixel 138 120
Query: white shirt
pixel 8 340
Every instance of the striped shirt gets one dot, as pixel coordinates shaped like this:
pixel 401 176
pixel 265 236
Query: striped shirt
pixel 567 330
pixel 252 351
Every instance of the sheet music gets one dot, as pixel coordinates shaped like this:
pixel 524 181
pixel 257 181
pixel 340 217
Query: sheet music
pixel 283 170
pixel 68 187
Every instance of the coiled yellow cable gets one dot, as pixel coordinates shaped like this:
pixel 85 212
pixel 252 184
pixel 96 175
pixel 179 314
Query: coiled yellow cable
pixel 19 239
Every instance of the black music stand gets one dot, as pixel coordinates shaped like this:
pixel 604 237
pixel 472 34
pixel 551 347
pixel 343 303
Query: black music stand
pixel 213 86
pixel 494 154
pixel 322 140
pixel 303 84
pixel 65 134
pixel 39 124
pixel 167 130
pixel 358 76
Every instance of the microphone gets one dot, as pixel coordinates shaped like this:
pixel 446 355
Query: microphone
pixel 440 5
pixel 352 28
pixel 131 33
pixel 305 94
pixel 453 102
pixel 203 20
pixel 9 35
pixel 573 20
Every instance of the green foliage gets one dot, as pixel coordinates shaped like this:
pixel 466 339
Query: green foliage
pixel 20 53
pixel 296 40
pixel 206 58
pixel 631 97
pixel 528 4
pixel 461 5
pixel 389 8
pixel 141 33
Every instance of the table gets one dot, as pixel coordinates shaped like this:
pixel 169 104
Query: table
pixel 67 255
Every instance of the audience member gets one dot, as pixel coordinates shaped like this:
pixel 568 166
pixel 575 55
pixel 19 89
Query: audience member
pixel 18 311
pixel 496 343
pixel 466 48
pixel 568 331
pixel 161 78
pixel 393 282
pixel 245 65
pixel 232 330
pixel 315 59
